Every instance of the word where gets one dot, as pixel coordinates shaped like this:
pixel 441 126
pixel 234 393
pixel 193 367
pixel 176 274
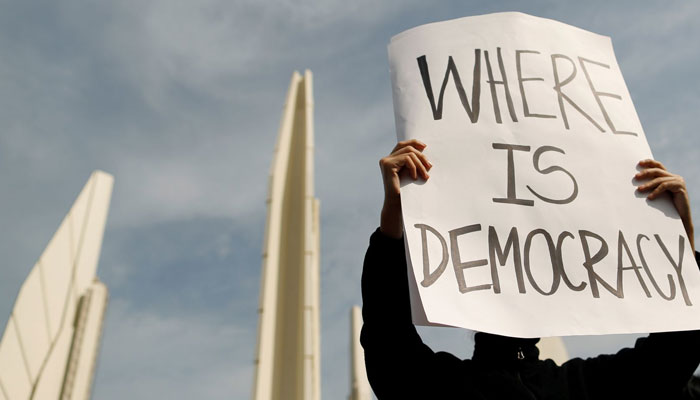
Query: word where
pixel 561 88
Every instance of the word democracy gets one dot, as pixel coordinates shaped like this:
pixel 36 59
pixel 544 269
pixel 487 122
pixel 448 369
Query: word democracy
pixel 591 263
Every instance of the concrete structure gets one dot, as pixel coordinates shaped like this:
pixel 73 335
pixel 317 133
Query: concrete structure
pixel 359 384
pixel 554 348
pixel 51 341
pixel 288 349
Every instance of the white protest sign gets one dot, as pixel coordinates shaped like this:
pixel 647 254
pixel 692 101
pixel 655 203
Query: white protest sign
pixel 530 224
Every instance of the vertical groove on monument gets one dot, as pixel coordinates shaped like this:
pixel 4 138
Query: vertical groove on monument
pixel 288 352
pixel 82 360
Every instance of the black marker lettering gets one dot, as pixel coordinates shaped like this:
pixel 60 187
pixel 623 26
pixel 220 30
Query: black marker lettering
pixel 536 164
pixel 460 266
pixel 428 277
pixel 495 250
pixel 622 245
pixel 677 266
pixel 598 95
pixel 672 286
pixel 593 277
pixel 560 260
pixel 511 196
pixel 561 96
pixel 526 108
pixel 492 82
pixel 552 257
pixel 473 113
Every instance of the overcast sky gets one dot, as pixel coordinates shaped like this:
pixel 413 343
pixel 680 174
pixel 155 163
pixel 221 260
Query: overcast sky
pixel 180 100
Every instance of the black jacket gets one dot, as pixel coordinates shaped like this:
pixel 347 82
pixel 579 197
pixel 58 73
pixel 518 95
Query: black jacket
pixel 400 366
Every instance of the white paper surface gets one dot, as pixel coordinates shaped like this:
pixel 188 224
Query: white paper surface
pixel 566 121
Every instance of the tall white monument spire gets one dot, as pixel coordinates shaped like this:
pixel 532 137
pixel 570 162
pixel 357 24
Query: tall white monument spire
pixel 51 341
pixel 359 384
pixel 288 350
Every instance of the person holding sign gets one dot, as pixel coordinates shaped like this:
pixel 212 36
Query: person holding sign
pixel 400 365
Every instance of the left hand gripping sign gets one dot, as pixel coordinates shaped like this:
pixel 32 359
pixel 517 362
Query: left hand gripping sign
pixel 530 224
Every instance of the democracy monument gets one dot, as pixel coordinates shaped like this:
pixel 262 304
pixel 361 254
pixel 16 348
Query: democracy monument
pixel 50 345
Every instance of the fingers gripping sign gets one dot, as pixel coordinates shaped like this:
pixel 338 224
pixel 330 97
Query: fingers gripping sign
pixel 407 159
pixel 656 180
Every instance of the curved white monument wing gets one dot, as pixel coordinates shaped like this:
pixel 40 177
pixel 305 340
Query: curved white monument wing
pixel 45 346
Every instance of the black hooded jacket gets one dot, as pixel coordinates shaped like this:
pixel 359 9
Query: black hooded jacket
pixel 400 366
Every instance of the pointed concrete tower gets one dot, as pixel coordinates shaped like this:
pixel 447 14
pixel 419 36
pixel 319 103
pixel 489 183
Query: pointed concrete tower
pixel 359 384
pixel 288 350
pixel 50 345
pixel 553 348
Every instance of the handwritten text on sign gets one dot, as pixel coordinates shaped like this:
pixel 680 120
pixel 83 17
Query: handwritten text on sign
pixel 531 204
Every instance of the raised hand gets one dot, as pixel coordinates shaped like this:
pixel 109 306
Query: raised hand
pixel 406 158
pixel 655 179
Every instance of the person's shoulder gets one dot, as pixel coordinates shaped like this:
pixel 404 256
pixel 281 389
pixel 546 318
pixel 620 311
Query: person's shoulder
pixel 449 358
pixel 379 240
